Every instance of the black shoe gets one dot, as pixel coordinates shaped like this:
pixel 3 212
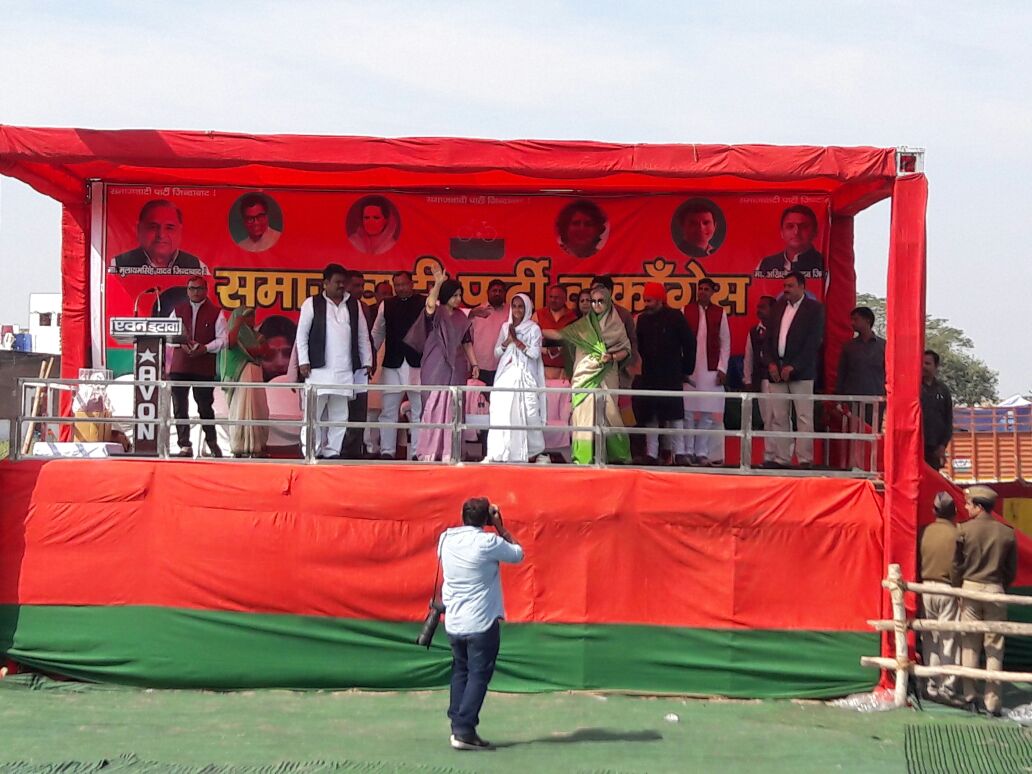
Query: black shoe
pixel 387 457
pixel 185 451
pixel 213 447
pixel 469 742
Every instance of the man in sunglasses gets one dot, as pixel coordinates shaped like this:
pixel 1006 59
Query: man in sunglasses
pixel 206 333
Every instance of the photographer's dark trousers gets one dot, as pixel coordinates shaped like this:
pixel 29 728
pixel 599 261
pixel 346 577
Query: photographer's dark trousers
pixel 204 397
pixel 473 664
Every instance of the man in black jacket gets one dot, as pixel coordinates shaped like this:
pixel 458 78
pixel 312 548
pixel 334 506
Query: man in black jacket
pixel 936 411
pixel 401 363
pixel 667 349
pixel 794 339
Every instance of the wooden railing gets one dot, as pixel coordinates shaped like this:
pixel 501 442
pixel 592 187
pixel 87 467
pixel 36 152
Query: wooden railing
pixel 900 625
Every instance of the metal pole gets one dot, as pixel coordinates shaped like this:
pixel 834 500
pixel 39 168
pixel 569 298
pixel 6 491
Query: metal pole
pixel 598 412
pixel 15 447
pixel 746 453
pixel 899 620
pixel 456 442
pixel 164 426
pixel 876 429
pixel 845 429
pixel 309 399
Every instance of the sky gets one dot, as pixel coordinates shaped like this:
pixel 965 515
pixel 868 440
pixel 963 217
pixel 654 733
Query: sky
pixel 954 78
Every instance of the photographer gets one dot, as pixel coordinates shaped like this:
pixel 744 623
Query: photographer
pixel 472 596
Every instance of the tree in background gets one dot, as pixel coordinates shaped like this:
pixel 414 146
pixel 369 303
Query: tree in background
pixel 970 380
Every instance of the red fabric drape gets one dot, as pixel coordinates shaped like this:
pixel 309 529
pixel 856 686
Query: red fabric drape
pixel 663 549
pixel 57 162
pixel 905 314
pixel 75 289
pixel 75 300
pixel 841 294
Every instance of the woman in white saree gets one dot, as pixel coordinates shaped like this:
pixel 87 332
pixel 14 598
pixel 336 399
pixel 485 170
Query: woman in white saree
pixel 519 366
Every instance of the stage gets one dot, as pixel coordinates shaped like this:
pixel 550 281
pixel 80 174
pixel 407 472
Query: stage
pixel 280 574
pixel 235 575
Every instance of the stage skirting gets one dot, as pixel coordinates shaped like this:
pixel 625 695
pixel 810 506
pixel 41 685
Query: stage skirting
pixel 232 575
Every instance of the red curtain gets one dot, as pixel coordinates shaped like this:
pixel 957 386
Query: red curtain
pixel 905 319
pixel 75 289
pixel 841 294
pixel 663 549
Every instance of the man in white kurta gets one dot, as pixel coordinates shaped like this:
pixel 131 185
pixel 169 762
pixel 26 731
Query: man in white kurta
pixel 340 366
pixel 706 413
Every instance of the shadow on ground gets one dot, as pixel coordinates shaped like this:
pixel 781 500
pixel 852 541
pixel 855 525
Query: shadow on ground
pixel 588 735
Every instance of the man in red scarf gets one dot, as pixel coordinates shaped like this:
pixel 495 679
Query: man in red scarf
pixel 554 317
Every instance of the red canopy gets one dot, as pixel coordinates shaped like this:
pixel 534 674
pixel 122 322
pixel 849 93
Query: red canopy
pixel 61 162
pixel 57 162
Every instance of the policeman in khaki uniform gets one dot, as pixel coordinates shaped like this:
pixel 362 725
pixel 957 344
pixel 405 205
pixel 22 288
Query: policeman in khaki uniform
pixel 938 548
pixel 987 560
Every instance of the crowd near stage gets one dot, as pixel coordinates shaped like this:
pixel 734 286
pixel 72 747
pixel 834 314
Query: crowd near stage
pixel 227 574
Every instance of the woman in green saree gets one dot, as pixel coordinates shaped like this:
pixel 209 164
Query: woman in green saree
pixel 239 362
pixel 600 344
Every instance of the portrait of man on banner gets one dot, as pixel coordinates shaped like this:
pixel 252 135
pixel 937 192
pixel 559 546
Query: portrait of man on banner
pixel 798 229
pixel 698 227
pixel 255 222
pixel 582 228
pixel 159 231
pixel 373 225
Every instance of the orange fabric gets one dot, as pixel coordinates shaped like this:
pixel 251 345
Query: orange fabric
pixel 603 546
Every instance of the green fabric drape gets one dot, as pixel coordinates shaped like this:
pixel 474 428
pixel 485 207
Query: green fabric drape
pixel 181 648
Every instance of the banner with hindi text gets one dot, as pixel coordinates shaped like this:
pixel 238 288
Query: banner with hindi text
pixel 267 248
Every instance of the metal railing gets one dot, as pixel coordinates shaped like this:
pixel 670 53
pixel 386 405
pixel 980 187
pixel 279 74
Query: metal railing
pixel 852 430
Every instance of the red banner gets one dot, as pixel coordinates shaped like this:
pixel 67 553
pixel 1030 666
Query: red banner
pixel 662 549
pixel 267 248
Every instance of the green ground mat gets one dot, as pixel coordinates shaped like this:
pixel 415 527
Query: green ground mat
pixel 70 727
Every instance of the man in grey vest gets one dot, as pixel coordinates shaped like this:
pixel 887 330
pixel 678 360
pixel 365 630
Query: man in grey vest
pixel 332 345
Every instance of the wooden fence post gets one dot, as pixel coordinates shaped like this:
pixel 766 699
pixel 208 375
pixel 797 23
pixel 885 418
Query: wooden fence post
pixel 899 619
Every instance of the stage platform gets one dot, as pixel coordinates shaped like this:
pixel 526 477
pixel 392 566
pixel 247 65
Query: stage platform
pixel 234 575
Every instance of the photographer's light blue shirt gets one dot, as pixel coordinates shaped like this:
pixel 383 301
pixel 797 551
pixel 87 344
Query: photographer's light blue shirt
pixel 472 588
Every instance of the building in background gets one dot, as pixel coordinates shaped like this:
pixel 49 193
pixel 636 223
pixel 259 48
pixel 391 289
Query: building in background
pixel 45 322
pixel 44 332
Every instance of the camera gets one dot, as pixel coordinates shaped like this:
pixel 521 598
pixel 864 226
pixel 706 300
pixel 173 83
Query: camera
pixel 430 623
